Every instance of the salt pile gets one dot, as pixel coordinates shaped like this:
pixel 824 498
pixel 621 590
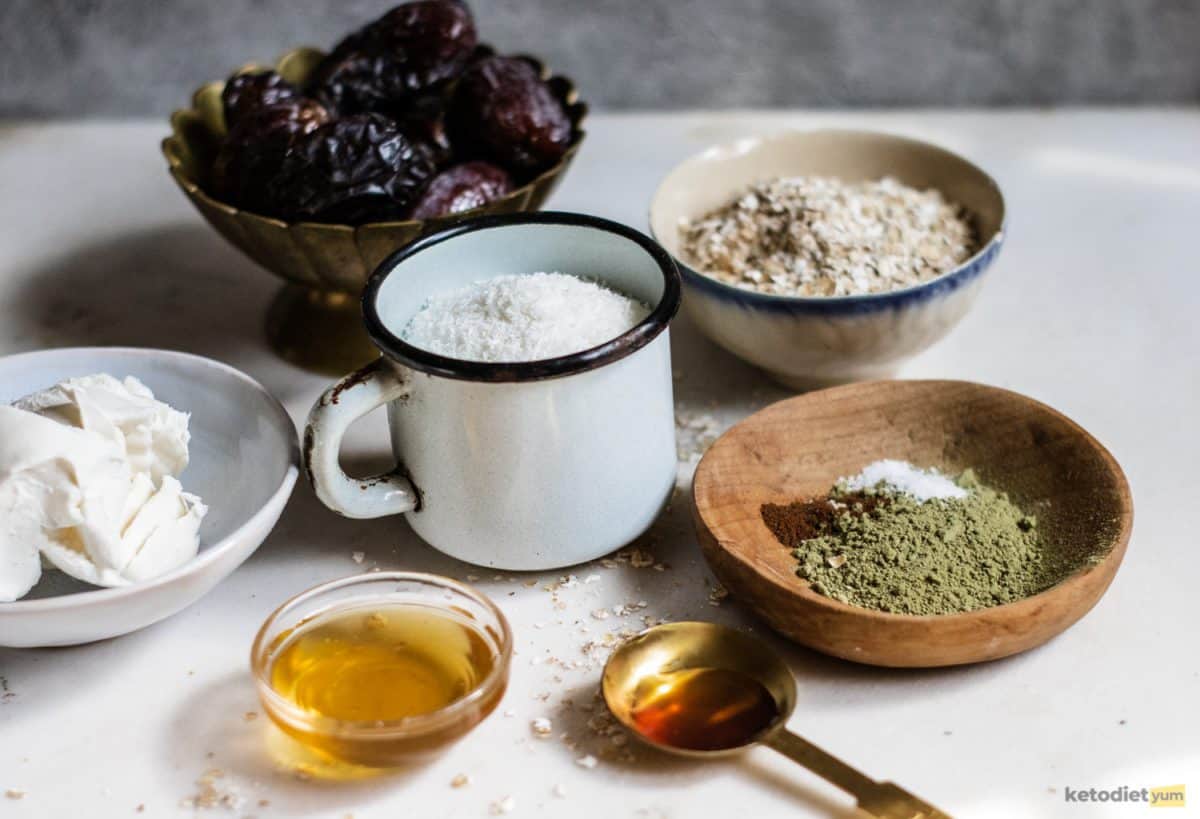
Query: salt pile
pixel 901 476
pixel 522 318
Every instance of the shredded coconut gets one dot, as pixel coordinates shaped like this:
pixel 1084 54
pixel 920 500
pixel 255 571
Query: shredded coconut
pixel 522 318
pixel 901 476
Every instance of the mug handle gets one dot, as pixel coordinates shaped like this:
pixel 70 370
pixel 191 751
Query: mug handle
pixel 391 493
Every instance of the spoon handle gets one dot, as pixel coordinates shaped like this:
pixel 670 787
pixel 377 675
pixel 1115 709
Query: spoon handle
pixel 883 800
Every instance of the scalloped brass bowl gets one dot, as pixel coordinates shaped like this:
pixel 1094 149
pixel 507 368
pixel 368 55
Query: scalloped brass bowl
pixel 314 321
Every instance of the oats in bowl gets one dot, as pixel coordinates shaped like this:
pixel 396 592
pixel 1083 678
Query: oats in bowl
pixel 820 236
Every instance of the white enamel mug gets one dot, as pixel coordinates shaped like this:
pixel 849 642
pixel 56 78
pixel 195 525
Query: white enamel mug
pixel 518 466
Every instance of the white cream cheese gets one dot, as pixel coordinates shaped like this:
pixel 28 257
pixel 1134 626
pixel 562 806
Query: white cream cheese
pixel 87 483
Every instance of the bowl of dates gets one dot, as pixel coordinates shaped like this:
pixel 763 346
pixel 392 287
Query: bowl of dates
pixel 321 165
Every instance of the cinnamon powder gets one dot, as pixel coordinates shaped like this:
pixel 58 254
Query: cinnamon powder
pixel 793 523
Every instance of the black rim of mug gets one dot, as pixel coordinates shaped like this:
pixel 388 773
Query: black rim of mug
pixel 628 342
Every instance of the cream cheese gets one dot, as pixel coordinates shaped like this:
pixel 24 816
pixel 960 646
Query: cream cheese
pixel 88 484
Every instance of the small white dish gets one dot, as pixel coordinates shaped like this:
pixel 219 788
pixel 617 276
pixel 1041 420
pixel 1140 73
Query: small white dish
pixel 818 341
pixel 244 463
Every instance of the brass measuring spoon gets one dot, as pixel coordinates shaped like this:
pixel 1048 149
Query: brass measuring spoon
pixel 704 690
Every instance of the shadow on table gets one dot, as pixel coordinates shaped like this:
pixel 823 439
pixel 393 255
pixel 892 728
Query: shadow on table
pixel 240 757
pixel 592 731
pixel 178 286
pixel 379 544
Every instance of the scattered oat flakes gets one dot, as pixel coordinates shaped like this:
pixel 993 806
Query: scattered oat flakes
pixel 588 762
pixel 836 561
pixel 250 716
pixel 210 794
pixel 502 806
pixel 695 433
pixel 541 727
pixel 640 559
pixel 460 781
pixel 717 594
pixel 15 793
pixel 358 557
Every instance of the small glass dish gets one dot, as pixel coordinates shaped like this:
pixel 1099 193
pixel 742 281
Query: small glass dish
pixel 383 743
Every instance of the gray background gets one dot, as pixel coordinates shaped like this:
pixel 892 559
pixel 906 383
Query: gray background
pixel 139 57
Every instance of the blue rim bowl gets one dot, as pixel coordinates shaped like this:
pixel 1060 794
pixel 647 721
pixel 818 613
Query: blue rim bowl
pixel 808 342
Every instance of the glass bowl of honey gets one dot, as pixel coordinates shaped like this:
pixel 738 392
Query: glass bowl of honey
pixel 383 669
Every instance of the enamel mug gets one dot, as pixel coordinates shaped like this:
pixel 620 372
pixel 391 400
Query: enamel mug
pixel 525 465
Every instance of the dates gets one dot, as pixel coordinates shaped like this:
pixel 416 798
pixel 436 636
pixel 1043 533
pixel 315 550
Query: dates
pixel 353 170
pixel 410 117
pixel 502 111
pixel 462 188
pixel 246 93
pixel 253 151
pixel 413 48
pixel 424 120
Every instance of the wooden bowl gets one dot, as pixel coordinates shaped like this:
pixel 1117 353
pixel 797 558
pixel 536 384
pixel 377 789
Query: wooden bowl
pixel 799 447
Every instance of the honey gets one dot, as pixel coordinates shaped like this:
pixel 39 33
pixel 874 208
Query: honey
pixel 380 664
pixel 703 709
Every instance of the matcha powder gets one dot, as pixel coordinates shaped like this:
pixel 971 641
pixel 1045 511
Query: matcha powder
pixel 881 547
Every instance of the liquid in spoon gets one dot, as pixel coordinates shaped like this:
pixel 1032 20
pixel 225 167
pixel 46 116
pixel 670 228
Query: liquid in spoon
pixel 703 709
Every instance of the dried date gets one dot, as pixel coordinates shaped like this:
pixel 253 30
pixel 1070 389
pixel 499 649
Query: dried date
pixel 357 169
pixel 246 93
pixel 462 188
pixel 424 120
pixel 502 110
pixel 253 151
pixel 413 48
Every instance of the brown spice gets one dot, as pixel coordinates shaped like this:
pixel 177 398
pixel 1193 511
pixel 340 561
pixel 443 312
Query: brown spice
pixel 796 522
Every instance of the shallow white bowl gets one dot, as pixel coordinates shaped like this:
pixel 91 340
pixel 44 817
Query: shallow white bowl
pixel 244 463
pixel 815 342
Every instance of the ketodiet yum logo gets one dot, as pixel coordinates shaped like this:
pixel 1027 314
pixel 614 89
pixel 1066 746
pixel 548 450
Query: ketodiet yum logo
pixel 1164 796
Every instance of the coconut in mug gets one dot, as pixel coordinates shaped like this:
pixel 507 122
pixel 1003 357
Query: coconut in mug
pixel 526 370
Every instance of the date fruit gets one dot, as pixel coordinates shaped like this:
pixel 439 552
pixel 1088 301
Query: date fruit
pixel 462 188
pixel 246 93
pixel 253 150
pixel 413 48
pixel 502 111
pixel 356 169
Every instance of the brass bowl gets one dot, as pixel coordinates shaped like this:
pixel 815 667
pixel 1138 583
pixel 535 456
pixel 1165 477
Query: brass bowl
pixel 314 321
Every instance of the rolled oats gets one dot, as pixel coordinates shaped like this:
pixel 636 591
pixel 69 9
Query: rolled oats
pixel 820 236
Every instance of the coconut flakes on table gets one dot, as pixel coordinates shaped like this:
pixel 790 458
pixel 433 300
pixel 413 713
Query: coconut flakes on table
pixel 695 432
pixel 819 236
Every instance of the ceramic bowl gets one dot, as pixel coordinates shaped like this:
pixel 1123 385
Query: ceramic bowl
pixel 315 321
pixel 244 463
pixel 813 342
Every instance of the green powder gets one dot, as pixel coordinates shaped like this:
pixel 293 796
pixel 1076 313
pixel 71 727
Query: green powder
pixel 886 550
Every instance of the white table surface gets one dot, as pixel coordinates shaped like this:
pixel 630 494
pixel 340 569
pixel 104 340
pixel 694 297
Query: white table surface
pixel 1093 307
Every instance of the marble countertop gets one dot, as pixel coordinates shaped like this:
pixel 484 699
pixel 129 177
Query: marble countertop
pixel 1093 308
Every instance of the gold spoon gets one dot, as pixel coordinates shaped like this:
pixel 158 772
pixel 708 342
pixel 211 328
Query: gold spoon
pixel 703 690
